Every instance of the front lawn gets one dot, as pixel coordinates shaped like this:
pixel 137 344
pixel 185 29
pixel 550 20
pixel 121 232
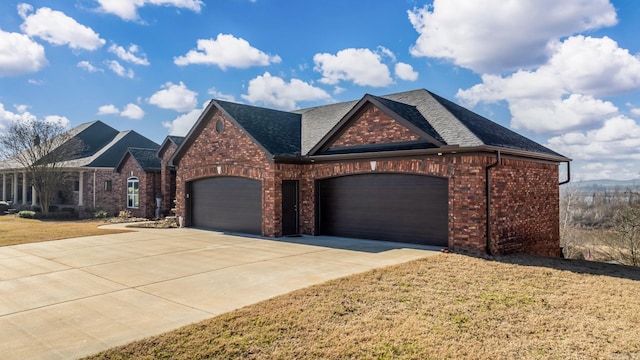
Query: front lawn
pixel 448 306
pixel 15 230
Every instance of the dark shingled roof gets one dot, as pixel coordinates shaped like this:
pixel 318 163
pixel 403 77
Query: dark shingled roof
pixel 176 139
pixel 306 132
pixel 112 156
pixel 491 133
pixel 94 137
pixel 277 131
pixel 146 158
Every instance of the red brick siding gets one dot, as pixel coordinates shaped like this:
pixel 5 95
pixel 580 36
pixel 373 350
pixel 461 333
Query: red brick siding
pixel 109 201
pixel 168 176
pixel 373 127
pixel 533 230
pixel 525 213
pixel 235 154
pixel 149 184
pixel 524 194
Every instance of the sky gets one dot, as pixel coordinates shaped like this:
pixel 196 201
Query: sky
pixel 563 73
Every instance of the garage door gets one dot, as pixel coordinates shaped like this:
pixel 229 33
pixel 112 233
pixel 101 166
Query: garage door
pixel 227 204
pixel 391 207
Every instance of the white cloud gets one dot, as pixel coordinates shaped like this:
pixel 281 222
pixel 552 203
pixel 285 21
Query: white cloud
pixel 23 115
pixel 492 36
pixel 635 111
pixel 7 117
pixel 361 66
pixel 130 54
pixel 19 54
pixel 120 70
pixel 220 95
pixel 226 51
pixel 562 94
pixel 275 91
pixel 58 29
pixel 108 110
pixel 617 139
pixel 89 67
pixel 132 111
pixel 128 9
pixel 59 120
pixel 181 125
pixel 406 72
pixel 175 97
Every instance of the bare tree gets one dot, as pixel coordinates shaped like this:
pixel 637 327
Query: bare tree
pixel 41 148
pixel 626 224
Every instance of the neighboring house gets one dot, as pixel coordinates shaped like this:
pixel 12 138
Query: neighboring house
pixel 408 167
pixel 94 184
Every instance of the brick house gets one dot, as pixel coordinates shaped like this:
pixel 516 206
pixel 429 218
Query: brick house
pixel 92 184
pixel 407 167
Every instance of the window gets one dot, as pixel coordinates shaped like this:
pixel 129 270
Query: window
pixel 132 193
pixel 107 185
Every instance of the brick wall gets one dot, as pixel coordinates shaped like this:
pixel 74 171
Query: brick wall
pixel 235 154
pixel 524 194
pixel 110 201
pixel 168 178
pixel 373 127
pixel 525 213
pixel 149 184
pixel 524 199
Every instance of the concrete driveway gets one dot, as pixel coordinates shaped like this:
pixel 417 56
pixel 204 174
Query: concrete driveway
pixel 69 298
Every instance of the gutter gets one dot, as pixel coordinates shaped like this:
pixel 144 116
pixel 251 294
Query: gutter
pixel 448 149
pixel 488 200
pixel 568 174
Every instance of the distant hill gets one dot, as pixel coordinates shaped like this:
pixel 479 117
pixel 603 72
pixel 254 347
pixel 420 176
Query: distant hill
pixel 604 184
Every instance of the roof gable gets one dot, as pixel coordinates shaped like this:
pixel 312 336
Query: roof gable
pixel 169 140
pixel 377 124
pixel 278 132
pixel 114 151
pixel 145 158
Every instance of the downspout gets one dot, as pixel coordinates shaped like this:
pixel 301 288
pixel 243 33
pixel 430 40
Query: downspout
pixel 487 192
pixel 568 174
pixel 94 188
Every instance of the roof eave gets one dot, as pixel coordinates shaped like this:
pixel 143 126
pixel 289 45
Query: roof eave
pixel 444 150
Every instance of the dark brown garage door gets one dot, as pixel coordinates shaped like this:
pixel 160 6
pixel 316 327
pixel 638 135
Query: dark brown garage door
pixel 391 207
pixel 227 204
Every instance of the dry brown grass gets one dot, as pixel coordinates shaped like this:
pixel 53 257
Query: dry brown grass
pixel 16 230
pixel 443 307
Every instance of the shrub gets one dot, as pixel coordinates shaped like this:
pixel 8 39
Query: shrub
pixel 27 214
pixel 101 214
pixel 124 214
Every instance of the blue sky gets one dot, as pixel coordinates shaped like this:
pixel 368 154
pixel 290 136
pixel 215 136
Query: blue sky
pixel 564 73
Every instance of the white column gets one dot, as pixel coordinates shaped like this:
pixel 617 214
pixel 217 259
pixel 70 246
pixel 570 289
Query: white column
pixel 4 187
pixel 34 196
pixel 24 188
pixel 81 189
pixel 15 188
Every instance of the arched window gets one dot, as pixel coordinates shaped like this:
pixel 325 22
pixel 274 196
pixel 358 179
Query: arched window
pixel 132 193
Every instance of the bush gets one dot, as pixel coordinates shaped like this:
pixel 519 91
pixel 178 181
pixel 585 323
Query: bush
pixel 27 214
pixel 124 214
pixel 101 214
